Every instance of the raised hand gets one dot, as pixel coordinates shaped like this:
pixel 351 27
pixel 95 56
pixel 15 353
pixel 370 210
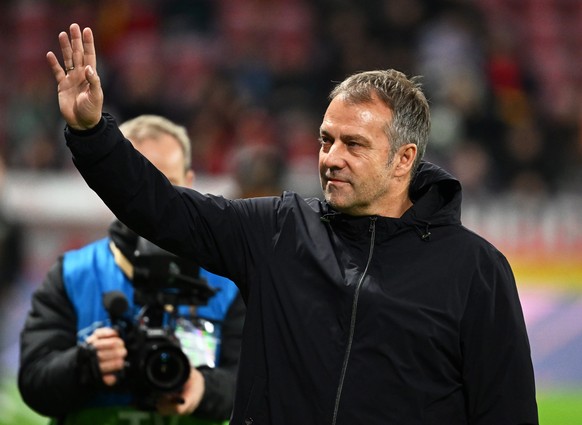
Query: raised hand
pixel 79 87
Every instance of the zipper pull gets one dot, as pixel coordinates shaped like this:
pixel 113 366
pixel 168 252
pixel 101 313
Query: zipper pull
pixel 372 224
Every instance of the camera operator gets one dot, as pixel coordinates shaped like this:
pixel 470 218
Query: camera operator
pixel 73 358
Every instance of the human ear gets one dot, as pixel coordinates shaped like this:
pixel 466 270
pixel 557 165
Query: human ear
pixel 405 157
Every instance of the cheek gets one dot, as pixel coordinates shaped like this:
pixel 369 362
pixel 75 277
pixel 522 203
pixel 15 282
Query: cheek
pixel 321 160
pixel 372 172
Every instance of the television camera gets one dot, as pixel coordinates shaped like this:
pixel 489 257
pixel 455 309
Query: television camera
pixel 163 283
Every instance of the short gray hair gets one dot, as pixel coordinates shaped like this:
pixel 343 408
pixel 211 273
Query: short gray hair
pixel 403 95
pixel 146 126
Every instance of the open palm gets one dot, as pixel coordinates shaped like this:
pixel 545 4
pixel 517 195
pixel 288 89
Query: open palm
pixel 79 88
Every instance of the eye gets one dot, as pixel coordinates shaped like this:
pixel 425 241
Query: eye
pixel 324 142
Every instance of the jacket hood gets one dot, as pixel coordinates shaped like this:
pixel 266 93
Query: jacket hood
pixel 436 197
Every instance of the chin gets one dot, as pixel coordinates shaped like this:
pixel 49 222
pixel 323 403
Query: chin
pixel 338 206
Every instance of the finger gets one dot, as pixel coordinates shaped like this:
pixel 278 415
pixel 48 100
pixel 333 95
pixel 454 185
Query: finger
pixel 77 45
pixel 111 366
pixel 113 344
pixel 66 50
pixel 109 379
pixel 89 48
pixel 104 333
pixel 103 337
pixel 55 66
pixel 110 353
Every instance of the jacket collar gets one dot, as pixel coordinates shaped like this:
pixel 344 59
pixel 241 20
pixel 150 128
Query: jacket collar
pixel 436 197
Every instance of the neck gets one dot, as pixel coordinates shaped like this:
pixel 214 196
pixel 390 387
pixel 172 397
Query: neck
pixel 398 200
pixel 396 205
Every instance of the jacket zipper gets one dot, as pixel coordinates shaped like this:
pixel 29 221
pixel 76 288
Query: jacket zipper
pixel 353 322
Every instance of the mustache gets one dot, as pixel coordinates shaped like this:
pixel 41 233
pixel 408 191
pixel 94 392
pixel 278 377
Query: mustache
pixel 335 175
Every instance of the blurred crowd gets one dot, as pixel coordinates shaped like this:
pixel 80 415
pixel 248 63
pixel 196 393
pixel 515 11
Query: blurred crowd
pixel 504 79
pixel 239 73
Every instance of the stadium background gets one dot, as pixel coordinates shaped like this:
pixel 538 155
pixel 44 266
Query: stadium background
pixel 504 78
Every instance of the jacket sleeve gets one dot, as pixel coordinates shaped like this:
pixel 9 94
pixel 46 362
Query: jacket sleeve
pixel 218 399
pixel 497 368
pixel 180 220
pixel 53 376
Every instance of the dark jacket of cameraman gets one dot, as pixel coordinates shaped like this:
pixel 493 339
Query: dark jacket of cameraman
pixel 350 320
pixel 59 377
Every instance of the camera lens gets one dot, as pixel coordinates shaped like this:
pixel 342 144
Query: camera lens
pixel 167 367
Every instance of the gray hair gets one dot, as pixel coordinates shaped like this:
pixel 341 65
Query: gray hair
pixel 146 126
pixel 404 96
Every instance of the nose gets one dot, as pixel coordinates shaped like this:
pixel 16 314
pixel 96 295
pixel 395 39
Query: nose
pixel 334 157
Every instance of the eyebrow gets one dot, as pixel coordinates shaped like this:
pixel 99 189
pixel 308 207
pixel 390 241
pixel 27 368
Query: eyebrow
pixel 344 137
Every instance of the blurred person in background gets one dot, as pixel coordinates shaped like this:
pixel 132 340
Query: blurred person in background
pixel 258 170
pixel 11 245
pixel 12 261
pixel 71 355
pixel 374 306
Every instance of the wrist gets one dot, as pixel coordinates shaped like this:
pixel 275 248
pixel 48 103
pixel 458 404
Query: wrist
pixel 89 130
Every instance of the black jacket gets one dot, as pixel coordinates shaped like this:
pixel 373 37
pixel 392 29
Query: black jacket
pixel 350 320
pixel 57 376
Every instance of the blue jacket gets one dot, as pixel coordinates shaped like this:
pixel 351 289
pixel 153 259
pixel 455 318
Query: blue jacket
pixel 91 271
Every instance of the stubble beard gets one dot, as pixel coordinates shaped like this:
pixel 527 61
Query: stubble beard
pixel 339 200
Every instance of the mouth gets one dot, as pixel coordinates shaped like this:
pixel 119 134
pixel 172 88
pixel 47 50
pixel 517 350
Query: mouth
pixel 331 179
pixel 336 181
